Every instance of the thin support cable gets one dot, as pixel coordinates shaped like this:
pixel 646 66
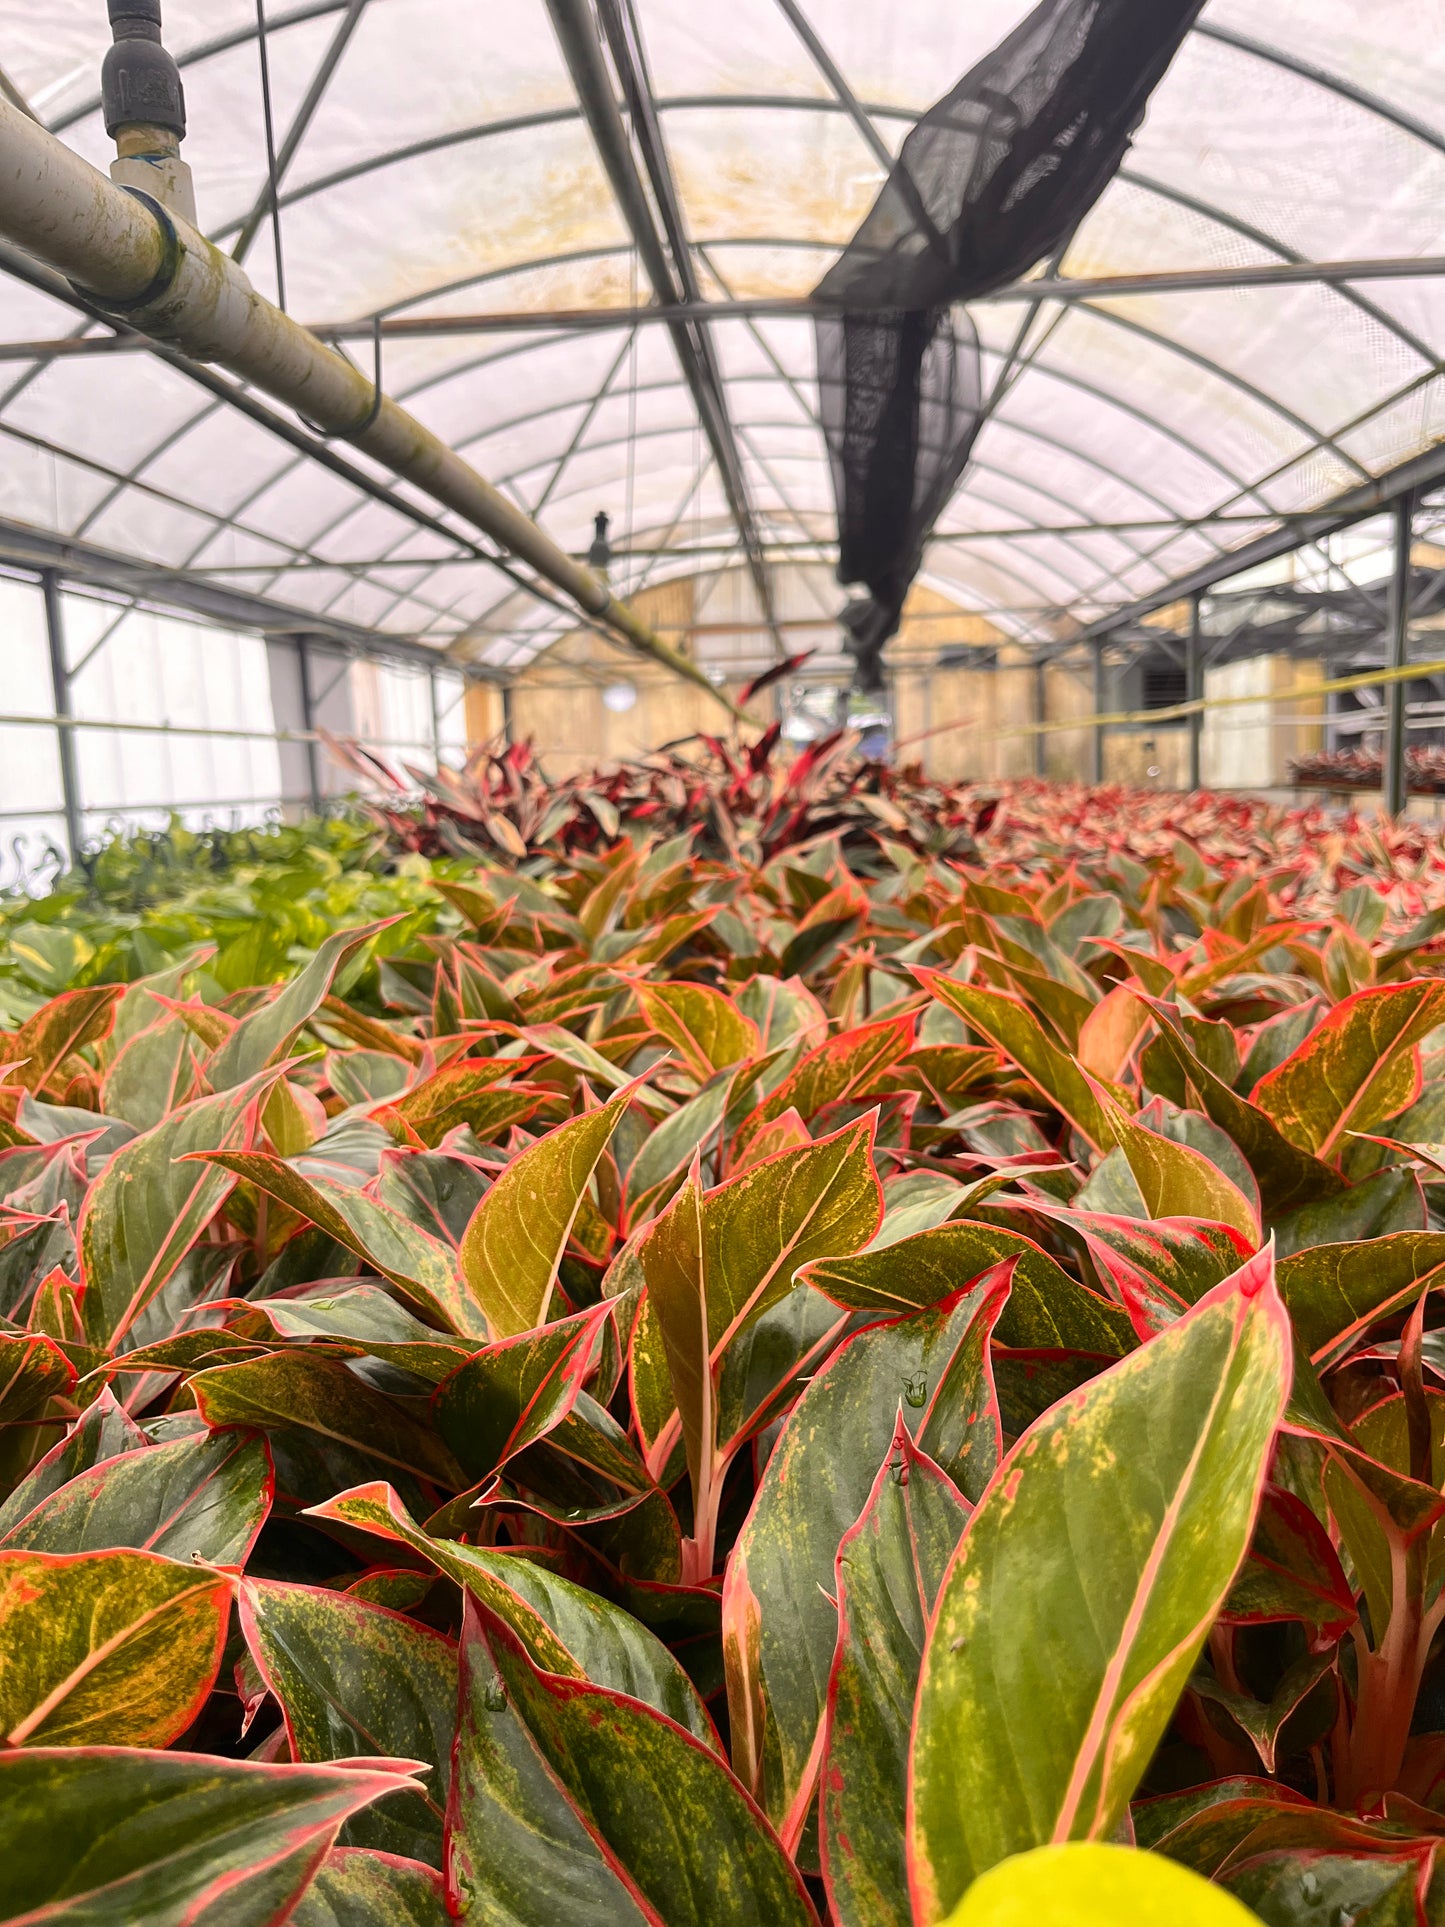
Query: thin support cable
pixel 272 180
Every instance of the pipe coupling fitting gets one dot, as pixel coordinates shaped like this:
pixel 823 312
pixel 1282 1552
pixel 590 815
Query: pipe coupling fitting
pixel 165 274
pixel 139 81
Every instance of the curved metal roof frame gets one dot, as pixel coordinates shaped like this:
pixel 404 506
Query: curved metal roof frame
pixel 50 408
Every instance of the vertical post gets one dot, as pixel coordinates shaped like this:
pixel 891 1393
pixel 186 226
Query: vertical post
pixel 60 690
pixel 1194 686
pixel 308 723
pixel 507 736
pixel 436 718
pixel 1398 655
pixel 1041 705
pixel 1100 698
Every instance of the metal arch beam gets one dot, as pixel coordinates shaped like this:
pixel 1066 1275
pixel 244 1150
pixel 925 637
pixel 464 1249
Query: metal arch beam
pixel 1261 238
pixel 133 476
pixel 805 404
pixel 1015 428
pixel 476 625
pixel 1354 505
pixel 757 333
pixel 91 565
pixel 573 24
pixel 833 74
pixel 1312 520
pixel 1183 525
pixel 536 508
pixel 413 150
pixel 207 49
pixel 601 253
pixel 1315 440
pixel 1322 77
pixel 1030 433
pixel 798 105
pixel 309 450
pixel 511 478
pixel 300 124
pixel 588 417
pixel 729 241
pixel 36 276
pixel 314 9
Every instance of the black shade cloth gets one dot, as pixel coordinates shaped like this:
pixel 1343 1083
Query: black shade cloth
pixel 990 182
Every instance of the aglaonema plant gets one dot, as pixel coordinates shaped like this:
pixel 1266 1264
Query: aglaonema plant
pixel 773 1374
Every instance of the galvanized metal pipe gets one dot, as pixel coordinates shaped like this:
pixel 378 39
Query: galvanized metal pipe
pixel 155 273
pixel 1396 775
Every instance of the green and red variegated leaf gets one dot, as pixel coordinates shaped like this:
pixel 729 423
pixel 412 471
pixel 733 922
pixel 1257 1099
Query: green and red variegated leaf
pixel 716 1261
pixel 512 1248
pixel 889 1568
pixel 505 1397
pixel 153 1073
pixel 1336 1292
pixel 357 1888
pixel 1309 1681
pixel 354 1680
pixel 203 1498
pixel 419 1265
pixel 1409 1504
pixel 1047 1308
pixel 705 1028
pixel 1157 1268
pixel 846 1067
pixel 1123 1516
pixel 779 1613
pixel 56 1031
pixel 33 1370
pixel 106 1648
pixel 265 1035
pixel 1011 1027
pixel 151 1203
pixel 1359 1067
pixel 1177 1181
pixel 567 1629
pixel 1288 1175
pixel 543 1827
pixel 1292 1572
pixel 103 1431
pixel 109 1834
pixel 305 1392
pixel 465 1093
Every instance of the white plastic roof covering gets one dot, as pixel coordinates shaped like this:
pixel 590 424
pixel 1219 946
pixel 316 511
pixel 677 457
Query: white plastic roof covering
pixel 448 169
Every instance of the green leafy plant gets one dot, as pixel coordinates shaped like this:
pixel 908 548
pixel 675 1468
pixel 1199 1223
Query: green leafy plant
pixel 807 1378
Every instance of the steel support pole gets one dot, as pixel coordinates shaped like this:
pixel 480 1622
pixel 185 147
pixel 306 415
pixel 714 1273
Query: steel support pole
pixel 60 689
pixel 308 723
pixel 1398 640
pixel 436 718
pixel 1100 706
pixel 1194 685
pixel 1041 715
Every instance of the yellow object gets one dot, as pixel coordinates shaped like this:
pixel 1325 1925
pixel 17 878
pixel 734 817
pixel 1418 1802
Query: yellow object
pixel 1089 1885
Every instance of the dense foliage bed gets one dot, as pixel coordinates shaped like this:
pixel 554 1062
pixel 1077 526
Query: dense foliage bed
pixel 689 1373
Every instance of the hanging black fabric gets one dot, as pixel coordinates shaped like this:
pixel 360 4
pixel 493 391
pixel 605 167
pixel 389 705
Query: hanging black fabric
pixel 990 182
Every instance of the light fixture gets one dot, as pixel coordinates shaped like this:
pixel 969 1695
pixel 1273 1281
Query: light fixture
pixel 599 556
pixel 619 697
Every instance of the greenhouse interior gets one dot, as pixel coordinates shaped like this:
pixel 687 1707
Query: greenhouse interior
pixel 722 963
